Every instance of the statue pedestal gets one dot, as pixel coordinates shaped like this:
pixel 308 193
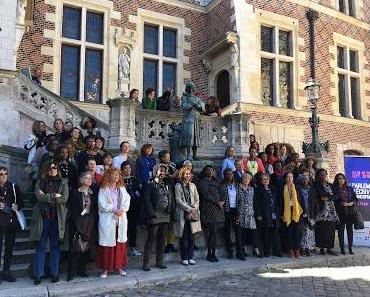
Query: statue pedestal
pixel 121 122
pixel 124 87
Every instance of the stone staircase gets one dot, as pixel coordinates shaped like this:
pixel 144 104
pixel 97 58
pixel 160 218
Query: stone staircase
pixel 24 248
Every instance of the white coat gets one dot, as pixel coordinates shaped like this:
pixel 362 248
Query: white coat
pixel 107 220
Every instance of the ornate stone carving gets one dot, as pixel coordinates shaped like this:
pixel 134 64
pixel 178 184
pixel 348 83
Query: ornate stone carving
pixel 21 11
pixel 124 62
pixel 207 65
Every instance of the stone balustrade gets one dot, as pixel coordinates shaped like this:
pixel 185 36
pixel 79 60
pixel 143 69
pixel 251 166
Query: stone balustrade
pixel 129 122
pixel 38 103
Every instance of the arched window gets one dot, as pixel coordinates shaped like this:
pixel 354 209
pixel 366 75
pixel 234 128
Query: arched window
pixel 352 153
pixel 223 88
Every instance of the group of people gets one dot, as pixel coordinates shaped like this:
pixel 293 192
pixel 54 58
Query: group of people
pixel 167 102
pixel 89 204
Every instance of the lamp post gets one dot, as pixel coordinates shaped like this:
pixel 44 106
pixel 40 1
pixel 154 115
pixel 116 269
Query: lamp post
pixel 315 148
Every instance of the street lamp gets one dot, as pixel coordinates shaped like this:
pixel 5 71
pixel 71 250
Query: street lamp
pixel 315 147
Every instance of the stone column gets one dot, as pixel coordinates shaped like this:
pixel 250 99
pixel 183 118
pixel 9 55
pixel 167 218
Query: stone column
pixel 240 132
pixel 121 122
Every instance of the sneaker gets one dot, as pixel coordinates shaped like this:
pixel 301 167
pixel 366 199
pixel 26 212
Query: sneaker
pixel 122 272
pixel 192 262
pixel 104 274
pixel 185 262
pixel 135 253
pixel 7 276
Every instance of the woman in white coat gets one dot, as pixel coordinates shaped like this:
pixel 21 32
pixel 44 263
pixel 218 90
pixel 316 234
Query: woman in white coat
pixel 113 204
pixel 188 216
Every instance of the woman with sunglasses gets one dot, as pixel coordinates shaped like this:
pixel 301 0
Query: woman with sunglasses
pixel 48 219
pixel 345 204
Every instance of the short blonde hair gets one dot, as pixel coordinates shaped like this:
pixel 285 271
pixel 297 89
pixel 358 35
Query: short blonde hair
pixel 182 172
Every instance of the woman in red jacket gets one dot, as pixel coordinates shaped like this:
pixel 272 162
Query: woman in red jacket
pixel 252 163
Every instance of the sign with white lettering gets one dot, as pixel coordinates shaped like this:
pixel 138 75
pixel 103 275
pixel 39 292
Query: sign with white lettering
pixel 357 170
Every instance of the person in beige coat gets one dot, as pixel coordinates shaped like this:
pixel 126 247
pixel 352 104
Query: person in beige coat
pixel 188 216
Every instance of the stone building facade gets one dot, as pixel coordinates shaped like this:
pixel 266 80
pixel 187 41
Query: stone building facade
pixel 259 51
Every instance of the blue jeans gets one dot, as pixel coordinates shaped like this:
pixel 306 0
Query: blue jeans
pixel 49 231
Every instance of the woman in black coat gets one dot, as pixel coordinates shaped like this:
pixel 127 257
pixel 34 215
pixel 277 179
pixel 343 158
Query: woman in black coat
pixel 345 204
pixel 9 203
pixel 211 209
pixel 267 212
pixel 83 207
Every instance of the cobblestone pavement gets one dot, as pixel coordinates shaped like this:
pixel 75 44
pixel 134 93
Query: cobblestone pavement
pixel 332 281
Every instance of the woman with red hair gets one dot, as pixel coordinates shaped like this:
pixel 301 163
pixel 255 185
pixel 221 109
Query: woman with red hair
pixel 113 204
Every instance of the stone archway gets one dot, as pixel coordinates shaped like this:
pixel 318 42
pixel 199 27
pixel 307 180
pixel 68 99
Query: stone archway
pixel 223 88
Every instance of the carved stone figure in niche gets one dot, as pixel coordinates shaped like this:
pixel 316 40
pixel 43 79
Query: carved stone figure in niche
pixel 21 11
pixel 124 61
pixel 192 107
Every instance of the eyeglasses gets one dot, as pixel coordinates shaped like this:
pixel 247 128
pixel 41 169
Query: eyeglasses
pixel 53 168
pixel 5 173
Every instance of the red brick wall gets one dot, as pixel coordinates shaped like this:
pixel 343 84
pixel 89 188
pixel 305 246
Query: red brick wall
pixel 29 52
pixel 325 26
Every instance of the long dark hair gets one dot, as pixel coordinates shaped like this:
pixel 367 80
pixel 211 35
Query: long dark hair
pixel 318 173
pixel 336 180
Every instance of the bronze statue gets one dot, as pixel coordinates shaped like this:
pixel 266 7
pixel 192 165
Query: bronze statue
pixel 192 107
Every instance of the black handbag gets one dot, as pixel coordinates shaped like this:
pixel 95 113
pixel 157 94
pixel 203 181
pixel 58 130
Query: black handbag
pixel 358 223
pixel 79 245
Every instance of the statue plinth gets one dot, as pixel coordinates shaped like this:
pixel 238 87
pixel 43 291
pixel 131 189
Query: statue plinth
pixel 121 122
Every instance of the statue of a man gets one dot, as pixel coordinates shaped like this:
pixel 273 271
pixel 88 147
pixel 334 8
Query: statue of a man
pixel 192 107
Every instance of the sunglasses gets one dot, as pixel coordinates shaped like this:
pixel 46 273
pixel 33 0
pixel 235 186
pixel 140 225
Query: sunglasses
pixel 53 168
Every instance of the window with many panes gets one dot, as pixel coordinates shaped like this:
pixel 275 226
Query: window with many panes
pixel 160 58
pixel 277 58
pixel 348 82
pixel 347 7
pixel 81 74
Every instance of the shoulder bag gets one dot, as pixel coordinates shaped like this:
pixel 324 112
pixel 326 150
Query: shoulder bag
pixel 20 215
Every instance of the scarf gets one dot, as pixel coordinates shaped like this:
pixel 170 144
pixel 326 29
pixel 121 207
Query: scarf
pixel 296 209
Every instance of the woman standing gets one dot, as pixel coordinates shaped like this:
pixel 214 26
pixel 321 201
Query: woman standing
pixel 83 217
pixel 283 154
pixel 271 151
pixel 292 209
pixel 187 212
pixel 158 205
pixel 107 163
pixel 75 142
pixel 247 222
pixel 327 217
pixel 267 213
pixel 229 161
pixel 308 198
pixel 10 202
pixel 48 219
pixel 34 143
pixel 144 165
pixel 268 167
pixel 311 164
pixel 252 163
pixel 113 204
pixel 231 215
pixel 345 203
pixel 60 134
pixel 67 169
pixel 211 206
pixel 277 178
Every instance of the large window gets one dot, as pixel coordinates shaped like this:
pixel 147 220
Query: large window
pixel 82 55
pixel 348 82
pixel 277 58
pixel 160 58
pixel 347 7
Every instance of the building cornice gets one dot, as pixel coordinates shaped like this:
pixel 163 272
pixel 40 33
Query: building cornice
pixel 332 13
pixel 190 6
pixel 247 108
